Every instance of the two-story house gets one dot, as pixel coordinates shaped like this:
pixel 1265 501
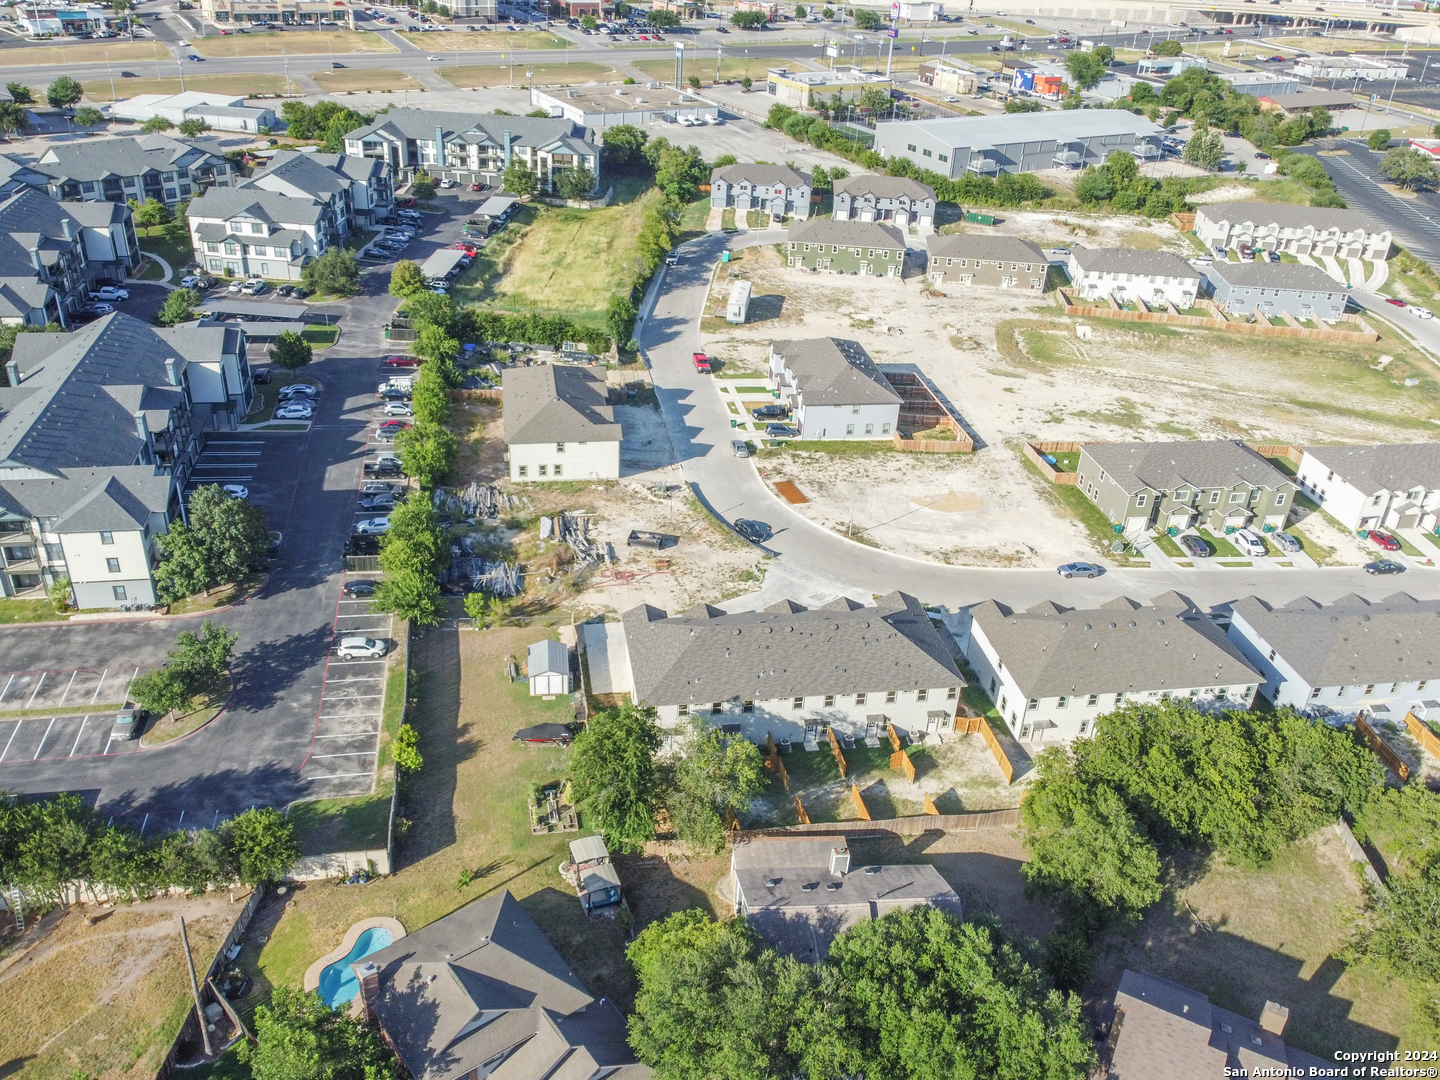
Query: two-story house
pixel 559 425
pixel 357 189
pixel 1130 274
pixel 1299 230
pixel 777 190
pixel 99 433
pixel 1303 292
pixel 477 148
pixel 1052 671
pixel 897 200
pixel 136 167
pixel 834 389
pixel 794 672
pixel 867 248
pixel 1352 656
pixel 987 260
pixel 1369 487
pixel 251 232
pixel 1215 484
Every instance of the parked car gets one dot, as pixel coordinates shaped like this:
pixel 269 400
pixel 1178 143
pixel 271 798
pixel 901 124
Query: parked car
pixel 294 412
pixel 109 292
pixel 263 376
pixel 383 468
pixel 302 389
pixel 359 587
pixel 96 309
pixel 1286 543
pixel 189 281
pixel 1384 566
pixel 1195 547
pixel 372 526
pixel 284 290
pixel 770 412
pixel 781 431
pixel 1249 543
pixel 702 362
pixel 380 487
pixel 236 491
pixel 740 447
pixel 360 648
pixel 402 361
pixel 397 408
pixel 253 288
pixel 757 532
pixel 1079 569
pixel 1384 540
pixel 128 723
pixel 299 292
pixel 379 502
pixel 393 425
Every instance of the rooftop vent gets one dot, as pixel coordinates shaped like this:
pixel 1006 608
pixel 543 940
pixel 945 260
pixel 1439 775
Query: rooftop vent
pixel 771 882
pixel 872 869
pixel 832 886
pixel 810 886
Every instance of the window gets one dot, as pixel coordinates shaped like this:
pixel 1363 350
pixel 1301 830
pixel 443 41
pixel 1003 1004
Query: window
pixel 1120 699
pixel 1140 500
pixel 1214 497
pixel 107 538
pixel 1092 701
pixel 922 695
pixel 542 471
pixel 1002 703
pixel 854 410
pixel 849 429
pixel 1025 733
pixel 1237 496
pixel 1063 702
pixel 1314 693
pixel 1032 704
pixel 747 706
pixel 1341 691
pixel 1280 499
pixel 885 429
pixel 952 693
pixel 54 553
pixel 944 157
pixel 910 147
pixel 889 697
pixel 716 708
pixel 1182 496
pixel 1084 724
pixel 684 710
pixel 118 591
pixel 927 153
pixel 559 447
pixel 829 701
pixel 798 703
pixel 112 565
pixel 869 429
pixel 523 471
pixel 859 699
pixel 1369 689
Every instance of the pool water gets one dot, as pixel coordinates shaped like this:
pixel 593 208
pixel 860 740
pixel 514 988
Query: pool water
pixel 338 984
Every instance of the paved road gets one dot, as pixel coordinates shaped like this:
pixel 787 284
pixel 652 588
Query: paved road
pixel 1414 221
pixel 810 558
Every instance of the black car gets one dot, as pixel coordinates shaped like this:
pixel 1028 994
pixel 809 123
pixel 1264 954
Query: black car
pixel 263 376
pixel 395 393
pixel 285 290
pixel 382 469
pixel 378 502
pixel 128 75
pixel 299 293
pixel 1384 566
pixel 781 431
pixel 770 412
pixel 1195 547
pixel 757 532
pixel 360 587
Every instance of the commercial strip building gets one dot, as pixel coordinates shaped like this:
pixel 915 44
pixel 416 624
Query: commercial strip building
pixel 1214 484
pixel 223 112
pixel 794 672
pixel 1305 100
pixel 1305 292
pixel 1350 657
pixel 1340 66
pixel 91 506
pixel 285 12
pixel 559 425
pixel 476 148
pixel 867 248
pixel 987 260
pixel 952 76
pixel 602 108
pixel 895 200
pixel 798 88
pixel 1372 487
pixel 1021 142
pixel 1052 671
pixel 834 389
pixel 136 167
pixel 1129 274
pixel 777 190
pixel 1297 230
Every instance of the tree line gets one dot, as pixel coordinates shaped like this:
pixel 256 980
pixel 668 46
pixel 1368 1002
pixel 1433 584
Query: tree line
pixel 54 846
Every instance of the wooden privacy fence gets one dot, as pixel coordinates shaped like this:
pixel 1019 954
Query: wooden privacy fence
pixel 1427 739
pixel 855 798
pixel 930 805
pixel 1292 454
pixel 839 757
pixel 773 761
pixel 1218 321
pixel 1393 761
pixel 904 826
pixel 973 724
pixel 800 811
pixel 1035 453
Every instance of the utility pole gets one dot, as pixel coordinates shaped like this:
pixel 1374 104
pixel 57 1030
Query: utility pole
pixel 719 51
pixel 111 74
pixel 195 989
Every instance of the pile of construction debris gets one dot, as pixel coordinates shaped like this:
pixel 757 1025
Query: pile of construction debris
pixel 478 501
pixel 573 528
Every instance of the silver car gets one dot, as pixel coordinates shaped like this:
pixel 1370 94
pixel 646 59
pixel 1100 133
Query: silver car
pixel 1286 543
pixel 741 447
pixel 360 648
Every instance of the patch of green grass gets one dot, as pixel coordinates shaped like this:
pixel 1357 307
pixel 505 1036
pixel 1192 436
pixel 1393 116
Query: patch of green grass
pixel 1176 429
pixel 837 447
pixel 19 610
pixel 1168 546
pixel 321 337
pixel 323 826
pixel 171 242
pixel 727 220
pixel 1406 546
pixel 1070 501
pixel 269 394
pixel 151 271
pixel 692 218
pixel 760 390
pixel 1223 547
pixel 756 219
pixel 1234 564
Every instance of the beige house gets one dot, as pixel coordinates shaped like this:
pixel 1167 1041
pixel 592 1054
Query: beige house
pixel 982 259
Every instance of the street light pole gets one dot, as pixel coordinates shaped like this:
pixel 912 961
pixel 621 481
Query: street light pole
pixel 111 74
pixel 180 66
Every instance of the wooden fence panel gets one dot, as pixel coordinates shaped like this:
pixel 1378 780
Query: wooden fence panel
pixel 1035 453
pixel 901 762
pixel 895 745
pixel 1393 761
pixel 860 807
pixel 1113 311
pixel 996 749
pixel 1423 735
pixel 773 761
pixel 839 757
pixel 906 826
pixel 930 805
pixel 800 811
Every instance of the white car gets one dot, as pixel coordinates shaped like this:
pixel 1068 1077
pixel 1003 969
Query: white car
pixel 1249 543
pixel 298 389
pixel 294 412
pixel 433 57
pixel 358 648
pixel 109 292
pixel 236 491
pixel 1420 312
pixel 183 42
pixel 189 281
pixel 372 526
pixel 235 286
pixel 398 408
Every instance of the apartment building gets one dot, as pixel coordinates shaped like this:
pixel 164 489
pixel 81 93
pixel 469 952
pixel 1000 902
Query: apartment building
pixel 867 248
pixel 777 190
pixel 357 189
pixel 1395 486
pixel 894 200
pixel 834 389
pixel 1130 274
pixel 136 167
pixel 251 232
pixel 1303 292
pixel 1296 230
pixel 986 260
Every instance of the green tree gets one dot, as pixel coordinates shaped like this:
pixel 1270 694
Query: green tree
pixel 261 844
pixel 202 660
pixel 14 120
pixel 156 123
pixel 1023 105
pixel 710 774
pixel 179 307
pixel 410 595
pixel 1204 148
pixel 415 542
pixel 427 452
pixel 63 92
pixel 435 346
pixel 60 593
pixel 662 18
pixel 865 19
pixel 801 11
pixel 1399 932
pixel 406 280
pixel 423 186
pixel 89 116
pixel 1085 69
pixel 694 82
pixel 613 767
pixel 1142 93
pixel 1167 48
pixel 160 692
pixel 291 351
pixel 875 99
pixel 336 273
pixel 429 399
pixel 299 1037
pixel 1409 168
pixel 623 146
pixel 748 20
pixel 20 93
pixel 575 183
pixel 589 22
pixel 192 127
pixel 225 540
pixel 407 750
pixel 746 83
pixel 151 212
pixel 620 317
pixel 519 180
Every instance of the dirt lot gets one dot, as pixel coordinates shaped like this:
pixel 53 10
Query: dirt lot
pixel 106 1000
pixel 1014 369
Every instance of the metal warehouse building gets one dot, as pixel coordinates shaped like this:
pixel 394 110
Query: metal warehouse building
pixel 1023 142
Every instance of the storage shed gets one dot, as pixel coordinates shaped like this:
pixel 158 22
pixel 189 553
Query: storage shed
pixel 548 663
pixel 738 309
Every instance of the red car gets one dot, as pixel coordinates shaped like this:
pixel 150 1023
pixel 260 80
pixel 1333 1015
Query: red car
pixel 465 245
pixel 393 425
pixel 477 187
pixel 1393 302
pixel 702 363
pixel 402 361
pixel 1385 540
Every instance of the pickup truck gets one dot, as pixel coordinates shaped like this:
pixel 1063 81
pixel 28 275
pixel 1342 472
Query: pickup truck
pixel 109 292
pixel 702 363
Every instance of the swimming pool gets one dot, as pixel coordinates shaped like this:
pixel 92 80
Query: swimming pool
pixel 338 984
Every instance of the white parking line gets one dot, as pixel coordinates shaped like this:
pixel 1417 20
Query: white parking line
pixel 349 735
pixel 361 678
pixel 7 688
pixel 361 697
pixel 11 739
pixel 353 716
pixel 43 738
pixel 338 776
pixel 78 734
pixel 100 684
pixel 133 677
pixel 357 753
pixel 353 663
pixel 37 689
pixel 69 685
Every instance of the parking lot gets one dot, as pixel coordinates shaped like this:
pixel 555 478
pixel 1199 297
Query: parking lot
pixel 228 458
pixel 71 689
pixel 46 738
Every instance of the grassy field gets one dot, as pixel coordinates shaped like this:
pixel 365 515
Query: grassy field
pixel 308 43
pixel 171 242
pixel 121 52
pixel 501 41
pixel 245 82
pixel 367 79
pixel 731 68
pixel 106 999
pixel 561 261
pixel 14 610
pixel 468 75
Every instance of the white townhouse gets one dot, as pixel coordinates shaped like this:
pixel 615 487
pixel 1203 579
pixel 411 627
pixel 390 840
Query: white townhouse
pixel 358 189
pixel 834 389
pixel 99 433
pixel 795 672
pixel 559 424
pixel 136 167
pixel 250 232
pixel 897 200
pixel 1345 658
pixel 777 190
pixel 1129 274
pixel 1052 671
pixel 1372 487
pixel 1299 230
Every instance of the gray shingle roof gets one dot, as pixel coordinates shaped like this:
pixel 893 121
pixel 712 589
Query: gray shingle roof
pixel 1122 646
pixel 483 982
pixel 786 650
pixel 556 403
pixel 302 172
pixel 90 500
pixel 832 371
pixel 984 246
pixel 477 128
pixel 1164 466
pixel 864 234
pixel 987 132
pixel 1398 467
pixel 883 187
pixel 95 159
pixel 1134 261
pixel 1285 216
pixel 760 174
pixel 252 202
pixel 33 223
pixel 1352 640
pixel 1258 275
